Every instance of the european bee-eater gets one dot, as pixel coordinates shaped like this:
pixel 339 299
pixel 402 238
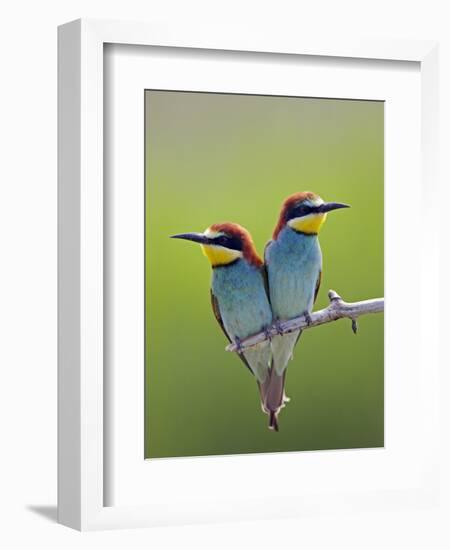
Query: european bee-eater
pixel 294 267
pixel 238 294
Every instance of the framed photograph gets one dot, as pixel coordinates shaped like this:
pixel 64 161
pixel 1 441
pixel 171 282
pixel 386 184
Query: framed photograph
pixel 212 155
pixel 232 213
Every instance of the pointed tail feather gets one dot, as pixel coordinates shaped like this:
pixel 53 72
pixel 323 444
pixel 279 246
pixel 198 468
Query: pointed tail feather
pixel 273 421
pixel 273 397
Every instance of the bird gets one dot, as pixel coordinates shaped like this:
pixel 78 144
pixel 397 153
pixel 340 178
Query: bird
pixel 239 295
pixel 293 261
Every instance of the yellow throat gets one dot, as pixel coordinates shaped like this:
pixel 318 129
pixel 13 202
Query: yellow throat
pixel 309 224
pixel 219 255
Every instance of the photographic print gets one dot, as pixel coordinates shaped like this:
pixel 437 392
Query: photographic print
pixel 255 207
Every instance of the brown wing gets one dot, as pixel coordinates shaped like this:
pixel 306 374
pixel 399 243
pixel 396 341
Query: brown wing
pixel 319 280
pixel 265 274
pixel 216 310
pixel 265 277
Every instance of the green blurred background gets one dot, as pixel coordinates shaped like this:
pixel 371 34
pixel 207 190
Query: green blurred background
pixel 218 157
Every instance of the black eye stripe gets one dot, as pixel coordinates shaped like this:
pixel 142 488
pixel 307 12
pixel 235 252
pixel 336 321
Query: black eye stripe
pixel 301 210
pixel 228 242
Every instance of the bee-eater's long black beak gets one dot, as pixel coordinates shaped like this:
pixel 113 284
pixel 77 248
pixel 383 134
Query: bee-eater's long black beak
pixel 328 206
pixel 195 237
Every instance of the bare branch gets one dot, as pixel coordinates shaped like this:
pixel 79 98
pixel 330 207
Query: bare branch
pixel 338 309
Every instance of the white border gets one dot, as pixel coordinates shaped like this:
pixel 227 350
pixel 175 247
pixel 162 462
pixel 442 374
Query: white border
pixel 81 265
pixel 130 480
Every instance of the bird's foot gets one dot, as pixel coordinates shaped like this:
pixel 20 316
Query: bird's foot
pixel 307 317
pixel 268 333
pixel 238 344
pixel 278 327
pixel 354 326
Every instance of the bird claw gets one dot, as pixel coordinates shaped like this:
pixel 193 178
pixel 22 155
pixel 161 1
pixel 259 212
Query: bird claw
pixel 307 317
pixel 354 326
pixel 277 326
pixel 268 333
pixel 238 344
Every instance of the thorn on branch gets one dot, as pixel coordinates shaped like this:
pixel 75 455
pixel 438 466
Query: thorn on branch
pixel 334 296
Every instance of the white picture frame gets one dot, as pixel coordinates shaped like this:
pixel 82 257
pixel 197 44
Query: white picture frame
pixel 81 481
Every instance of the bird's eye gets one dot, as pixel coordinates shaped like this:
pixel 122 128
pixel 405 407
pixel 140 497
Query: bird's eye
pixel 229 242
pixel 301 210
pixel 222 240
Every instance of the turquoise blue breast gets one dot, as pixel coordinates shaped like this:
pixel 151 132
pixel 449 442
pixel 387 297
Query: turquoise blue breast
pixel 294 262
pixel 243 303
